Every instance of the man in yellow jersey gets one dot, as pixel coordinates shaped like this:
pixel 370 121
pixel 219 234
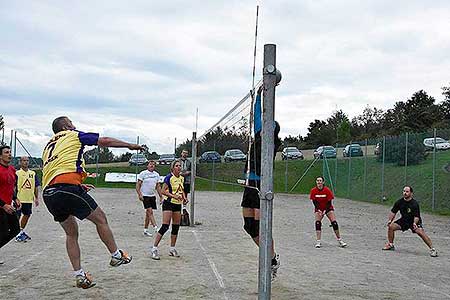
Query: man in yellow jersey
pixel 66 197
pixel 27 192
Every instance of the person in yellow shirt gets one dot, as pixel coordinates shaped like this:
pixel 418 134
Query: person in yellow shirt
pixel 174 197
pixel 27 192
pixel 66 197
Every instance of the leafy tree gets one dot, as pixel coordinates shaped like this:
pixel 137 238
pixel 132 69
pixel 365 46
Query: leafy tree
pixel 343 132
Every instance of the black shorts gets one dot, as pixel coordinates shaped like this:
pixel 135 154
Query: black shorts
pixel 167 205
pixel 26 209
pixel 149 202
pixel 405 225
pixel 250 199
pixel 187 188
pixel 63 200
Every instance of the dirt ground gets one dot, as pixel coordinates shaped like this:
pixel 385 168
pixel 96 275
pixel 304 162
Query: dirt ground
pixel 219 261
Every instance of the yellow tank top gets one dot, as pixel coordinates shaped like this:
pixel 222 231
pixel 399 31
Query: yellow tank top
pixel 26 183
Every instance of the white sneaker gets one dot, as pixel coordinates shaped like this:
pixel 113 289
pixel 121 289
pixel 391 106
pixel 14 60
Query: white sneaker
pixel 342 244
pixel 318 244
pixel 147 233
pixel 155 253
pixel 433 252
pixel 173 252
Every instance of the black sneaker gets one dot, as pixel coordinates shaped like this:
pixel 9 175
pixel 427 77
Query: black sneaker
pixel 123 260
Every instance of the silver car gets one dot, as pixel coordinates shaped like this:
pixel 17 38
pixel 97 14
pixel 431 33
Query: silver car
pixel 291 153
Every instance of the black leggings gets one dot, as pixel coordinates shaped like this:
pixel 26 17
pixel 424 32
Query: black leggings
pixel 9 227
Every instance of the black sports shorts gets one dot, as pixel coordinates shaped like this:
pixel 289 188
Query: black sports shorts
pixel 167 205
pixel 63 200
pixel 405 225
pixel 26 209
pixel 250 199
pixel 149 202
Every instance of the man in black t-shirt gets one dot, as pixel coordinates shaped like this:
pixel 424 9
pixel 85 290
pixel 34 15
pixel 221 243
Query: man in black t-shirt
pixel 410 219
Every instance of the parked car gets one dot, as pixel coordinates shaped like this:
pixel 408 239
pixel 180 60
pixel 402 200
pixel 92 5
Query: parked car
pixel 291 153
pixel 210 156
pixel 138 159
pixel 327 151
pixel 352 150
pixel 234 155
pixel 441 144
pixel 166 159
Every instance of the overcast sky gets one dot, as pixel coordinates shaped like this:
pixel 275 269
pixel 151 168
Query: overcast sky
pixel 141 68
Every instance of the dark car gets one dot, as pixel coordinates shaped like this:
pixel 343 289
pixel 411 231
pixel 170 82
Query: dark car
pixel 327 151
pixel 352 150
pixel 210 156
pixel 234 155
pixel 166 159
pixel 138 159
pixel 291 153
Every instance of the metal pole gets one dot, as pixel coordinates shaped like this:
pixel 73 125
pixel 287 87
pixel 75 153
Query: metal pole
pixel 96 165
pixel 336 171
pixel 433 203
pixel 382 169
pixel 349 174
pixel 137 159
pixel 406 157
pixel 11 139
pixel 286 172
pixel 213 182
pixel 193 173
pixel 267 154
pixel 175 147
pixel 365 173
pixel 15 143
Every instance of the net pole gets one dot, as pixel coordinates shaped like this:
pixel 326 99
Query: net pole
pixel 433 203
pixel 267 154
pixel 193 172
pixel 406 159
pixel 382 168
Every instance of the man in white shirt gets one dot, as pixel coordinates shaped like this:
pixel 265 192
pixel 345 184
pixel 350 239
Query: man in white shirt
pixel 147 187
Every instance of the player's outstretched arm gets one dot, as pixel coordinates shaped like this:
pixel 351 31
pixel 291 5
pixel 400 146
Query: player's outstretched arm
pixel 115 143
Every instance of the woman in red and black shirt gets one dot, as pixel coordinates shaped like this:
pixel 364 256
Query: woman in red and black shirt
pixel 321 197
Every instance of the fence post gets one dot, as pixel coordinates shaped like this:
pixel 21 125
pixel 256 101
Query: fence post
pixel 365 172
pixel 349 174
pixel 193 173
pixel 213 183
pixel 433 204
pixel 406 157
pixel 336 171
pixel 96 165
pixel 382 169
pixel 286 171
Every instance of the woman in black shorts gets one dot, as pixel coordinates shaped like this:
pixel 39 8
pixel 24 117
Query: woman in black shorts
pixel 174 197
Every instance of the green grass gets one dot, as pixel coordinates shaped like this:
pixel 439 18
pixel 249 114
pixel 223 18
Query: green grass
pixel 357 179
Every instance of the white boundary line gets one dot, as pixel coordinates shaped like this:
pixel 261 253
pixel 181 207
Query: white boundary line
pixel 211 264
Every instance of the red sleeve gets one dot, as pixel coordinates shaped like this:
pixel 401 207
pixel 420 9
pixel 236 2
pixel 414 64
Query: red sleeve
pixel 312 194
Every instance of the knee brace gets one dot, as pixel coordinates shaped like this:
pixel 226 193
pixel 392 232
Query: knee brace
pixel 318 226
pixel 163 229
pixel 175 228
pixel 251 226
pixel 256 229
pixel 335 225
pixel 248 225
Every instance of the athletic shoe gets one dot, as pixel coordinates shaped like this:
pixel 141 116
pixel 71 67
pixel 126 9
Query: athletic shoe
pixel 85 281
pixel 147 233
pixel 433 252
pixel 275 267
pixel 1 262
pixel 27 237
pixel 21 238
pixel 123 260
pixel 342 244
pixel 389 246
pixel 155 254
pixel 173 252
pixel 318 244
